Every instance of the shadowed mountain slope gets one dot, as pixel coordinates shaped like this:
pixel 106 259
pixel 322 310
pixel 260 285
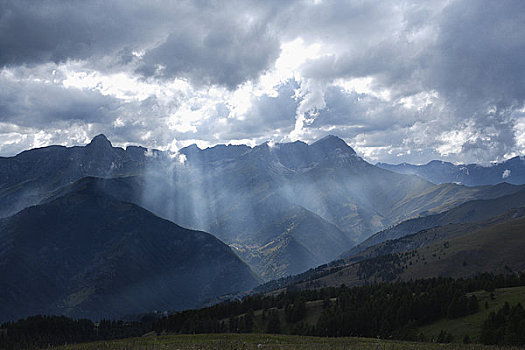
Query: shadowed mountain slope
pixel 87 254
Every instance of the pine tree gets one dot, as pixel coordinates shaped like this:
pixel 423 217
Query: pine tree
pixel 274 324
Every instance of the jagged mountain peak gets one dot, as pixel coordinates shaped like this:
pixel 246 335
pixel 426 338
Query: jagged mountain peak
pixel 191 149
pixel 100 139
pixel 332 142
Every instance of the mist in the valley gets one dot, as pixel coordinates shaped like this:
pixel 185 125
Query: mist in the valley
pixel 208 195
pixel 262 199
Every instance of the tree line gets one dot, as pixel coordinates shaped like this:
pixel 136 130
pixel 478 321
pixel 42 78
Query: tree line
pixel 505 327
pixel 44 331
pixel 388 310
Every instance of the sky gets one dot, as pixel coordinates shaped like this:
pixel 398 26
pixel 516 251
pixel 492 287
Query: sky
pixel 399 81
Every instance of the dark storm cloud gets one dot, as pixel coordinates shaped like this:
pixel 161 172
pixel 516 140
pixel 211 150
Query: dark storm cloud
pixel 469 53
pixel 478 67
pixel 276 112
pixel 227 57
pixel 469 50
pixel 479 53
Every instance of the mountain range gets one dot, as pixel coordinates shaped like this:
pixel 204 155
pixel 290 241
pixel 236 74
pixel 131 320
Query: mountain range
pixel 438 172
pixel 97 226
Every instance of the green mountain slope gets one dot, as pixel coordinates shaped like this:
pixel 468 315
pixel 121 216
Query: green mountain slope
pixel 497 249
pixel 433 235
pixel 469 212
pixel 495 245
pixel 471 325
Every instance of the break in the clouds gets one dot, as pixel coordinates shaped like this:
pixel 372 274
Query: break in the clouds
pixel 399 81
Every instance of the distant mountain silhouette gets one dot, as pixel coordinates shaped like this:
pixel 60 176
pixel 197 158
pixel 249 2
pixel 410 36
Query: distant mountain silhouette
pixel 438 172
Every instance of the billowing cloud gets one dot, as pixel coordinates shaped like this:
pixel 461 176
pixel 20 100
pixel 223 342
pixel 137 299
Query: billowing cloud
pixel 399 81
pixel 38 103
pixel 228 52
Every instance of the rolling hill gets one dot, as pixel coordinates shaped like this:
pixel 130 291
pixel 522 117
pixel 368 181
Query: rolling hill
pixel 493 245
pixel 469 212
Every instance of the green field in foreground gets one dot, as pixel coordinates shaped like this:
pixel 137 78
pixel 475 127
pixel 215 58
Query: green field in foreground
pixel 260 341
pixel 471 325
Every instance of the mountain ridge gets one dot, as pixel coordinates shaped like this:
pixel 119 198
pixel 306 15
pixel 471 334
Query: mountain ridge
pixel 458 251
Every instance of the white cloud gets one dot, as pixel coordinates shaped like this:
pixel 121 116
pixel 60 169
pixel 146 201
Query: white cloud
pixel 182 158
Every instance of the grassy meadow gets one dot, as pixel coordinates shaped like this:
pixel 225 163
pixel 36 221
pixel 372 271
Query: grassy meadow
pixel 262 341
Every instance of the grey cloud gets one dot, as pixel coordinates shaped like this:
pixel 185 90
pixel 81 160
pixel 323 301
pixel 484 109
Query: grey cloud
pixel 357 23
pixel 276 111
pixel 33 32
pixel 205 42
pixel 37 104
pixel 362 113
pixel 477 66
pixel 227 57
pixel 268 116
pixel 478 55
pixel 344 108
pixel 470 53
pixel 221 50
